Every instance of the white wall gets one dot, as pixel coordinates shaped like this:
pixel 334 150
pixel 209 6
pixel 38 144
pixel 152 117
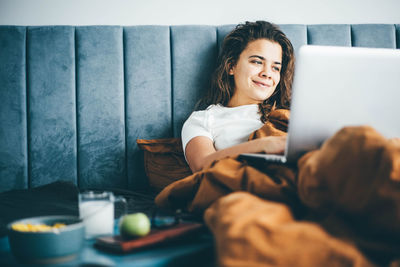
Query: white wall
pixel 212 12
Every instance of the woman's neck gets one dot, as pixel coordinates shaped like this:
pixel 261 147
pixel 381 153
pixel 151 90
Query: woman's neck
pixel 235 102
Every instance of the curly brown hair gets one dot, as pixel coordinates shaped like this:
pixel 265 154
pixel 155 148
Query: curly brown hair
pixel 222 84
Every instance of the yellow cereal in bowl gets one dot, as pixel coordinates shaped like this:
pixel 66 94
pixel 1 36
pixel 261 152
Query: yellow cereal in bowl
pixel 27 227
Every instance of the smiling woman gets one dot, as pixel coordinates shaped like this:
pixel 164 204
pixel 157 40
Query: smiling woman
pixel 257 73
pixel 253 77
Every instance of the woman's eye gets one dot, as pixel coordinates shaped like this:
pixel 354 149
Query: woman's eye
pixel 277 69
pixel 257 62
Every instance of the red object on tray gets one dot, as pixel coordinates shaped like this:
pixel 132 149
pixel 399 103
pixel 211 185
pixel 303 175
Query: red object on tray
pixel 156 236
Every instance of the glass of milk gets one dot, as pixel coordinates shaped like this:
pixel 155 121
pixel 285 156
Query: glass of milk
pixel 96 209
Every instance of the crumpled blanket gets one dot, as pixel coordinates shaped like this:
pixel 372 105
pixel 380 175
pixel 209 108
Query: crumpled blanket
pixel 340 206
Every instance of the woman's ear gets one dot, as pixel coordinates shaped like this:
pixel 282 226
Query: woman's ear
pixel 231 70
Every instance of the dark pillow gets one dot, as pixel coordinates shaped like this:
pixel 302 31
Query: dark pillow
pixel 164 161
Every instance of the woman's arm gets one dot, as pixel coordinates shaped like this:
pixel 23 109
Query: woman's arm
pixel 200 151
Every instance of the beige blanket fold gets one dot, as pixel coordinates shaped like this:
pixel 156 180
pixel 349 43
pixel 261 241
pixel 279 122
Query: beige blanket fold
pixel 346 197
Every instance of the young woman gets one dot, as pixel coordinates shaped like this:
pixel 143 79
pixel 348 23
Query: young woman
pixel 253 76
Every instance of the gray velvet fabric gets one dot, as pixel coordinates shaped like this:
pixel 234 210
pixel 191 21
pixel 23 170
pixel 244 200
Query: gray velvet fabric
pixel 193 55
pixel 223 31
pixel 370 35
pixel 328 34
pixel 13 131
pixel 73 100
pixel 148 92
pixel 100 106
pixel 51 105
pixel 296 33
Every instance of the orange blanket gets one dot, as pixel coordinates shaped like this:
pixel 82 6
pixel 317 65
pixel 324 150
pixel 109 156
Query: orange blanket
pixel 339 206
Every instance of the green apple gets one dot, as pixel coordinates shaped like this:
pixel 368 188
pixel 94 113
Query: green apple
pixel 134 225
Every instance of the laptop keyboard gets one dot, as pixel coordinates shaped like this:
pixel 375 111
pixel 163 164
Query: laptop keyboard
pixel 266 157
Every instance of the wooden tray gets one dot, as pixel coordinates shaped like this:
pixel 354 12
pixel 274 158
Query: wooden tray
pixel 156 236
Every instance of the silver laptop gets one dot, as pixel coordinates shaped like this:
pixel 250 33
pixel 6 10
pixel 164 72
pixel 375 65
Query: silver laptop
pixel 335 87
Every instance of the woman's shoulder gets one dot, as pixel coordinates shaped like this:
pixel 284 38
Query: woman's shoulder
pixel 214 107
pixel 208 110
pixel 222 108
pixel 216 111
pixel 198 116
pixel 203 116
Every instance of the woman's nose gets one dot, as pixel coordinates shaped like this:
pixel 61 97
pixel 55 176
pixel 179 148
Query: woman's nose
pixel 266 72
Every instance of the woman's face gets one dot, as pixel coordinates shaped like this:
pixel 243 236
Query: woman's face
pixel 257 72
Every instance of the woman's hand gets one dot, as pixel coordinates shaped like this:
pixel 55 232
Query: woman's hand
pixel 274 144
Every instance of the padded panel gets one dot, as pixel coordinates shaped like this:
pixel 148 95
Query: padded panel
pixel 148 92
pixel 223 31
pixel 373 35
pixel 194 52
pixel 100 100
pixel 329 34
pixel 13 138
pixel 51 105
pixel 296 33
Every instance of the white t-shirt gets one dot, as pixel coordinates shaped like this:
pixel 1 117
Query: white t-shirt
pixel 225 126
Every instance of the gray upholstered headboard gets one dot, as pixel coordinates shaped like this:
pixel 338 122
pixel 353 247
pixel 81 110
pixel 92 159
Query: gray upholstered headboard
pixel 73 100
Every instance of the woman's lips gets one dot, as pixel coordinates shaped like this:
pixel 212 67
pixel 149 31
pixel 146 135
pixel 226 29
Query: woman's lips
pixel 261 84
